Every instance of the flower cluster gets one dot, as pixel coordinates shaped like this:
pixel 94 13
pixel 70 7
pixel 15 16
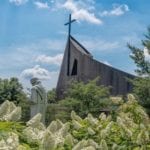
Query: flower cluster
pixel 130 129
pixel 10 143
pixel 9 112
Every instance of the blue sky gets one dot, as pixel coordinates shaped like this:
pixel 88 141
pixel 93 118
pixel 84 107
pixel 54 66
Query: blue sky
pixel 33 35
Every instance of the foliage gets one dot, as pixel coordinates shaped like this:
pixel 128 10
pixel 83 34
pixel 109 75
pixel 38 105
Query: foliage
pixel 57 111
pixel 141 85
pixel 12 90
pixel 142 90
pixel 82 98
pixel 25 105
pixel 51 96
pixel 139 57
pixel 86 98
pixel 89 91
pixel 129 131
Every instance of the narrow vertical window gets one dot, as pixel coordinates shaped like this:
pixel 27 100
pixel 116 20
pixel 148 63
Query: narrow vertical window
pixel 75 68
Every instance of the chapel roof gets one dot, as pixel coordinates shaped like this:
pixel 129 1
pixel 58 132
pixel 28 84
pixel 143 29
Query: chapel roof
pixel 80 47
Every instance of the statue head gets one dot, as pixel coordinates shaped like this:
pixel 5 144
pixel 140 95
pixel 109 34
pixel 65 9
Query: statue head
pixel 35 81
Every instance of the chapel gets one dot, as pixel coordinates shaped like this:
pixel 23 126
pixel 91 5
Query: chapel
pixel 78 64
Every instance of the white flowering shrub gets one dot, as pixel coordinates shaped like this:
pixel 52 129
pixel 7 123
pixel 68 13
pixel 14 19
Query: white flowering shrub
pixel 9 112
pixel 130 130
pixel 10 143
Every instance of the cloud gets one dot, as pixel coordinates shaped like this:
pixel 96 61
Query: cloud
pixel 46 45
pixel 100 45
pixel 117 10
pixel 36 71
pixel 56 60
pixel 41 5
pixel 49 78
pixel 81 14
pixel 18 2
pixel 146 54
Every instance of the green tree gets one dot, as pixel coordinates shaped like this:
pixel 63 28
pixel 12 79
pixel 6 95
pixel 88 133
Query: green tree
pixel 51 96
pixel 86 98
pixel 141 58
pixel 12 90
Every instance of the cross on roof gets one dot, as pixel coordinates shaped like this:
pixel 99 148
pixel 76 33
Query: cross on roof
pixel 69 24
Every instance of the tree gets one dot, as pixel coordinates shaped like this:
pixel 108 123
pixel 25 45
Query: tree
pixel 51 96
pixel 141 57
pixel 12 90
pixel 86 98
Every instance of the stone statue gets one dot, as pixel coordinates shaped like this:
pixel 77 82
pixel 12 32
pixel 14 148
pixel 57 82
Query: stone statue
pixel 38 99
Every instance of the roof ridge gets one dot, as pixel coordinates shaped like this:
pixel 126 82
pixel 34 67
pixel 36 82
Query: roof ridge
pixel 85 50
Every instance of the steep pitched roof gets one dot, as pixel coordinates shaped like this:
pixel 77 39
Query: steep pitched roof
pixel 80 47
pixel 83 50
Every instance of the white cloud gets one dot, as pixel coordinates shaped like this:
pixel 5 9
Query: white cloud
pixel 18 2
pixel 41 5
pixel 36 71
pixel 146 54
pixel 56 60
pixel 81 14
pixel 100 45
pixel 117 10
pixel 46 45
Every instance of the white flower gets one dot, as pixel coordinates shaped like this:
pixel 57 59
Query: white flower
pixel 69 140
pixel 80 145
pixel 131 99
pixel 92 143
pixel 35 121
pixel 88 148
pixel 4 109
pixel 76 125
pixel 93 121
pixel 102 116
pixel 91 131
pixel 75 117
pixel 143 137
pixel 9 140
pixel 103 134
pixel 15 115
pixel 9 112
pixel 103 145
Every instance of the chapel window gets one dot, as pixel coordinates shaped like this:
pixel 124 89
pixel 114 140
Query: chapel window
pixel 75 68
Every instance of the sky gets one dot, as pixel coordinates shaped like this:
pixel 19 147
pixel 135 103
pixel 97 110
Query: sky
pixel 33 35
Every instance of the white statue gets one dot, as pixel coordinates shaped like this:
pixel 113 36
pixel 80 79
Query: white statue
pixel 38 98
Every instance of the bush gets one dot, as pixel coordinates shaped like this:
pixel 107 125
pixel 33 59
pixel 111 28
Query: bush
pixel 129 131
pixel 141 89
pixel 87 98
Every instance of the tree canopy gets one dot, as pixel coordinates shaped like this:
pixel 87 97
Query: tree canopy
pixel 12 90
pixel 141 57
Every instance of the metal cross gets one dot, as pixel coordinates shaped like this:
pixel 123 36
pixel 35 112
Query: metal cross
pixel 69 33
pixel 69 24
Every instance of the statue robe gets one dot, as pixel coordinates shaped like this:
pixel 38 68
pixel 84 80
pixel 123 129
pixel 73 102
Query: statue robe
pixel 39 101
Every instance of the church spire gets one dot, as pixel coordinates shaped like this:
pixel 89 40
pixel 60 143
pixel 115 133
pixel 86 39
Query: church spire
pixel 69 33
